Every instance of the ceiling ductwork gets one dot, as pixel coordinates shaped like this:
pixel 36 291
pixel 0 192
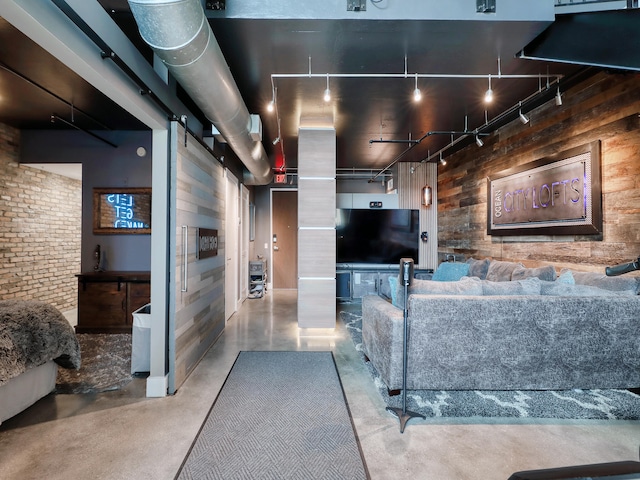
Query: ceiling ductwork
pixel 179 33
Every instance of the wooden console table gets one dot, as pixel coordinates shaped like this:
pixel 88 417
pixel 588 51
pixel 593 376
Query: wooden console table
pixel 107 300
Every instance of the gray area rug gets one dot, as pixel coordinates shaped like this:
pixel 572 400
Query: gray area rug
pixel 106 364
pixel 279 415
pixel 606 404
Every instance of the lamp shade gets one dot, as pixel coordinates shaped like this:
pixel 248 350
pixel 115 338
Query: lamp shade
pixel 427 198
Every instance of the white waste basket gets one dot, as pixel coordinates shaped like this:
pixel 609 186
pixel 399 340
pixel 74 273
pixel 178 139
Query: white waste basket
pixel 141 340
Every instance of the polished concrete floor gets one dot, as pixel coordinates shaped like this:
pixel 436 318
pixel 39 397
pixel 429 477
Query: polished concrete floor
pixel 122 435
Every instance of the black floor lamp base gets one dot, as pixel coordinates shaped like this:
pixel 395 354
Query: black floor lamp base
pixel 404 416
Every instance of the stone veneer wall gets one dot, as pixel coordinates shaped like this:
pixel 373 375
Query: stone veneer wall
pixel 605 107
pixel 40 229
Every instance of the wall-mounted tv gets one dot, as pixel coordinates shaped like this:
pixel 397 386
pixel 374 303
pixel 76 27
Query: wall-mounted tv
pixel 376 236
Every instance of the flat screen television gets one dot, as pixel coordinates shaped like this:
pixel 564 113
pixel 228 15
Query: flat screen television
pixel 376 236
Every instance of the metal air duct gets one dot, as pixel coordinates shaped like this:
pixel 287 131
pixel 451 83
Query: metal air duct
pixel 178 32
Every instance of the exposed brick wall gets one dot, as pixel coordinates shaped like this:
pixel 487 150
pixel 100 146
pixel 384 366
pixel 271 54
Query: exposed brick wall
pixel 40 229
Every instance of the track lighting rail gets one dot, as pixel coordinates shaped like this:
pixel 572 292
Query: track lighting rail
pixel 413 143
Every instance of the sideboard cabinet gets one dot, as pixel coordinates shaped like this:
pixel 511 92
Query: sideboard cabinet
pixel 107 300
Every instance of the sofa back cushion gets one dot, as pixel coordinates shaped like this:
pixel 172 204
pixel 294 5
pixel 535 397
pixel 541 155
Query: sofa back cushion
pixel 528 286
pixel 501 271
pixel 478 268
pixel 600 280
pixel 560 289
pixel 547 273
pixel 464 286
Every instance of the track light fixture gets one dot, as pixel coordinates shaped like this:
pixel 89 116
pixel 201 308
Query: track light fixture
pixel 276 140
pixel 558 97
pixel 479 142
pixel 488 96
pixel 417 95
pixel 443 162
pixel 270 106
pixel 327 92
pixel 523 118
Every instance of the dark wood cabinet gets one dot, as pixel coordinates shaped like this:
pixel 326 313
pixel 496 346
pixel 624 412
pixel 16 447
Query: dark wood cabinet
pixel 107 300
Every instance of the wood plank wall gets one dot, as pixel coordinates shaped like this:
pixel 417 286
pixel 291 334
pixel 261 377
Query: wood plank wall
pixel 412 177
pixel 199 312
pixel 605 107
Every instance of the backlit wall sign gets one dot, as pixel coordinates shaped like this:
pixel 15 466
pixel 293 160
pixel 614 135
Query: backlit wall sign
pixel 122 210
pixel 555 195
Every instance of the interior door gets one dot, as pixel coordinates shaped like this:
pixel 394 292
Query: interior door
pixel 231 246
pixel 284 241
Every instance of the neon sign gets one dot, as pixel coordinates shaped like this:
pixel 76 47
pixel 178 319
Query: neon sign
pixel 122 210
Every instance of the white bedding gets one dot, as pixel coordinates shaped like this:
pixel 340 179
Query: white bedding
pixel 26 389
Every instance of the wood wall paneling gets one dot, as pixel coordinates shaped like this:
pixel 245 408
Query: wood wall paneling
pixel 316 204
pixel 317 255
pixel 317 303
pixel 605 108
pixel 316 227
pixel 199 312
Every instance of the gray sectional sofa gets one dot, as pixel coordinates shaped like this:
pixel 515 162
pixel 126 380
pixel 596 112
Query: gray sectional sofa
pixel 521 330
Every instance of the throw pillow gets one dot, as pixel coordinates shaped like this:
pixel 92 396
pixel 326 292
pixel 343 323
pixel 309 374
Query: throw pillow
pixel 600 280
pixel 393 285
pixel 478 268
pixel 547 273
pixel 528 286
pixel 566 277
pixel 450 272
pixel 501 271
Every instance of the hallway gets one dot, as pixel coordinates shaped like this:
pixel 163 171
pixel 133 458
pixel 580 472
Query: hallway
pixel 123 435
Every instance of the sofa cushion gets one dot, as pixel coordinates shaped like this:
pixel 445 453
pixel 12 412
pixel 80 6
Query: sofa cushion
pixel 464 286
pixel 500 271
pixel 566 277
pixel 527 286
pixel 450 272
pixel 478 268
pixel 547 273
pixel 393 285
pixel 600 280
pixel 559 289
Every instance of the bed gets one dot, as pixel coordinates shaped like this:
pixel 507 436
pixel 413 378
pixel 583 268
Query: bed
pixel 35 338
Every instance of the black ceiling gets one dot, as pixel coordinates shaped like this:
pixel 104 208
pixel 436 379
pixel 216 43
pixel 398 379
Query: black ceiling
pixel 34 85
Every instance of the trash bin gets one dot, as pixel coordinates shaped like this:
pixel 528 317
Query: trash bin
pixel 141 340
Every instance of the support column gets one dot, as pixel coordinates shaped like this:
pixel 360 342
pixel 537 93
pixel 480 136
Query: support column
pixel 317 227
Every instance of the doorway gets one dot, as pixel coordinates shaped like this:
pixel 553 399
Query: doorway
pixel 284 238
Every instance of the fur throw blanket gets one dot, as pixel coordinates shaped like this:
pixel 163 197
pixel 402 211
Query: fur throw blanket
pixel 31 334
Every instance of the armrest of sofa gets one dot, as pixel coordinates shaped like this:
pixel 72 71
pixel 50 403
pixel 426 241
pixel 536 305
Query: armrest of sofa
pixel 382 337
